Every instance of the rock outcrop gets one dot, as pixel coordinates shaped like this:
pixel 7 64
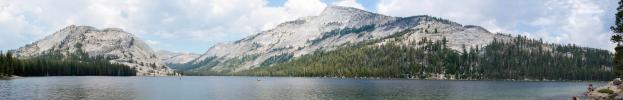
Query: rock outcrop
pixel 611 91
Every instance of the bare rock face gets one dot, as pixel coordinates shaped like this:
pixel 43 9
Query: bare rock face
pixel 333 28
pixel 175 59
pixel 113 43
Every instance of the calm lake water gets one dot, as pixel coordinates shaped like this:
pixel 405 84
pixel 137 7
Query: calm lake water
pixel 277 88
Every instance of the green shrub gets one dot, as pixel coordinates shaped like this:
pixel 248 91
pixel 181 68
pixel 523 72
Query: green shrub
pixel 605 91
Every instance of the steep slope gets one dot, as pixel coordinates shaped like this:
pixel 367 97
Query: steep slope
pixel 114 44
pixel 519 58
pixel 333 28
pixel 175 59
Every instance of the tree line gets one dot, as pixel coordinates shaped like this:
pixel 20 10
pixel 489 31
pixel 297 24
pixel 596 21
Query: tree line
pixel 57 64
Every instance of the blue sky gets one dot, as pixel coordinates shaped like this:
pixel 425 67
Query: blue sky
pixel 196 25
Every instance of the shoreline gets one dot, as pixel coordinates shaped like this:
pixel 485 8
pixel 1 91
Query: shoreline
pixel 358 78
pixel 516 80
pixel 9 78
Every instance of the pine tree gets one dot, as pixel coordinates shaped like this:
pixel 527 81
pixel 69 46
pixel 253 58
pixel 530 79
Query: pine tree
pixel 617 28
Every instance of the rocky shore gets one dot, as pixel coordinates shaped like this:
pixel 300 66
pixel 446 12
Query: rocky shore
pixel 8 77
pixel 612 91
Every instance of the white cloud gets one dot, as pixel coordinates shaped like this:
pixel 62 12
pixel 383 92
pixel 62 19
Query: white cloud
pixel 24 21
pixel 476 12
pixel 304 7
pixel 576 21
pixel 348 3
pixel 580 22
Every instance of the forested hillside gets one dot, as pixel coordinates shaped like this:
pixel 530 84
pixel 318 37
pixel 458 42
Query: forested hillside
pixel 519 58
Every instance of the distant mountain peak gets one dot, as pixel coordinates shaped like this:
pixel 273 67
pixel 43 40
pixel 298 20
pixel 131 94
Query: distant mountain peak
pixel 342 14
pixel 172 59
pixel 342 10
pixel 476 28
pixel 78 27
pixel 75 29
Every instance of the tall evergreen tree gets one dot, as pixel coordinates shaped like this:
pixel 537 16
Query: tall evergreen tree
pixel 617 28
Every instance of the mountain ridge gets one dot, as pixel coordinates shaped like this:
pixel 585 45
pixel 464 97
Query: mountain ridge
pixel 333 28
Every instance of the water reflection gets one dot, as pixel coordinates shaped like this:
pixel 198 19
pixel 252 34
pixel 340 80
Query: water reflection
pixel 270 88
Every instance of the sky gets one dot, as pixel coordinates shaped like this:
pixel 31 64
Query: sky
pixel 196 25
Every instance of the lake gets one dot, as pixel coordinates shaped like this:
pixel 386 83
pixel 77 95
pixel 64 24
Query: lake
pixel 277 88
